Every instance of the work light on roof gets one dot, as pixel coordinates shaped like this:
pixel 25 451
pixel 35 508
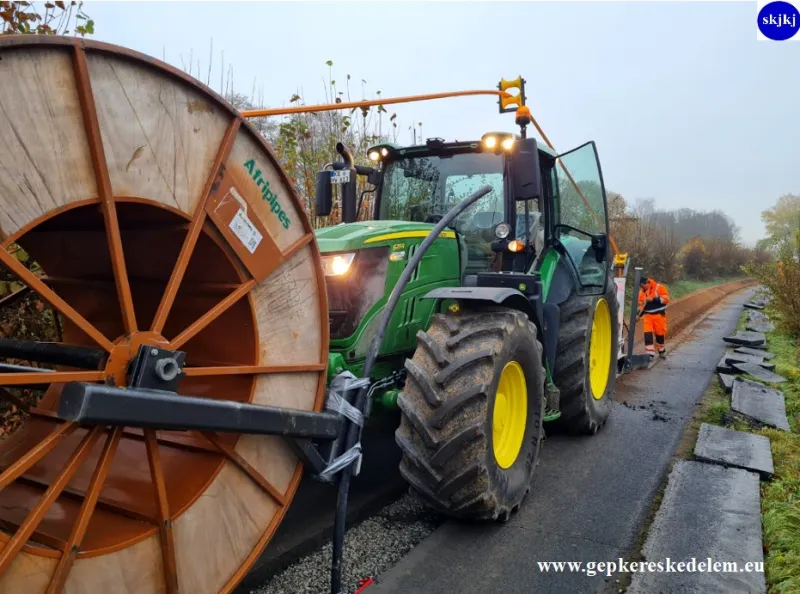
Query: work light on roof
pixel 496 141
pixel 378 152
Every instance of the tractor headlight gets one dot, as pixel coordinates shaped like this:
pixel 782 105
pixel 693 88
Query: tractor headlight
pixel 507 143
pixel 502 230
pixel 353 293
pixel 338 264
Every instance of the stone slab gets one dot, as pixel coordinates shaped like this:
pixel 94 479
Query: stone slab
pixel 708 511
pixel 753 306
pixel 746 339
pixel 727 447
pixel 760 327
pixel 760 403
pixel 723 367
pixel 732 357
pixel 758 372
pixel 757 316
pixel 755 352
pixel 726 381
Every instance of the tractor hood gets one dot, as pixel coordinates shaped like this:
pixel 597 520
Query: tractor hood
pixel 354 236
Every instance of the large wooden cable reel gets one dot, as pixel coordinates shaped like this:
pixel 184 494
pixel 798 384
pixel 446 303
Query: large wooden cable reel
pixel 126 181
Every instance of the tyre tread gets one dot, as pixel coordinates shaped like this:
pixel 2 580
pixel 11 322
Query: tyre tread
pixel 444 406
pixel 571 368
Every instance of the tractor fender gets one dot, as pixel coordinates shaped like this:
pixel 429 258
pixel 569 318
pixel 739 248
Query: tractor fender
pixel 498 295
pixel 546 326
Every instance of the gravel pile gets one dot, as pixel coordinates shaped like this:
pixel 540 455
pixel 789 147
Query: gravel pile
pixel 371 547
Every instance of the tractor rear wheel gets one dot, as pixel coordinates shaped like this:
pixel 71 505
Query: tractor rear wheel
pixel 586 360
pixel 471 413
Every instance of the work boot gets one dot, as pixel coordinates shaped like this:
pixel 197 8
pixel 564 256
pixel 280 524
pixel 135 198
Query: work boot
pixel 663 354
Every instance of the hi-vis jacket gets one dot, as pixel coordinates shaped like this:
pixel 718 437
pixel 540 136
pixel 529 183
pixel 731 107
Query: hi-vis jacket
pixel 659 295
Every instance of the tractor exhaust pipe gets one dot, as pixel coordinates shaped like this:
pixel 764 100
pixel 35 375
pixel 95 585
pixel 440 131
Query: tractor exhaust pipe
pixel 346 154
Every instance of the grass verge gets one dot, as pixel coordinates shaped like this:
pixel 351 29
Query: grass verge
pixel 780 497
pixel 682 288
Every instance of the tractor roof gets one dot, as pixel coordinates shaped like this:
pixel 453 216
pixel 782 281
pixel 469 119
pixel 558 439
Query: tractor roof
pixel 434 144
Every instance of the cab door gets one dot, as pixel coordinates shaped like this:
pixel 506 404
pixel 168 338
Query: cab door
pixel 580 218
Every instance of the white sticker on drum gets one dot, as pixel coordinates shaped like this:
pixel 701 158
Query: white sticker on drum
pixel 245 231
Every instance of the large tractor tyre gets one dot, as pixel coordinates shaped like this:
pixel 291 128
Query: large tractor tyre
pixel 159 217
pixel 586 360
pixel 471 413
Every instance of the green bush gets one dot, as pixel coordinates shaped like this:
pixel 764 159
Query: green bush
pixel 782 278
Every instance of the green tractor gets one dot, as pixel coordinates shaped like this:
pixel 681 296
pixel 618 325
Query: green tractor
pixel 509 321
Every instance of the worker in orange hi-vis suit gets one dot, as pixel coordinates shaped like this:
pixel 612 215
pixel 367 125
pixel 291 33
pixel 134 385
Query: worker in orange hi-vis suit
pixel 653 300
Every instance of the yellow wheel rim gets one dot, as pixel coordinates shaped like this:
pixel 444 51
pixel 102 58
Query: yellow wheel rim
pixel 510 414
pixel 600 350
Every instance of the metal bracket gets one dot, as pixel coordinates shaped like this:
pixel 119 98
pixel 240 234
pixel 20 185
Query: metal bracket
pixel 93 404
pixel 157 369
pixel 553 397
pixel 633 361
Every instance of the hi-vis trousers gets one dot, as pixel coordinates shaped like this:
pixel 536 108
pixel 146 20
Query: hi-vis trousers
pixel 655 324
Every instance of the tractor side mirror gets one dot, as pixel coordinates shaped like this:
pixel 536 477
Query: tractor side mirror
pixel 526 174
pixel 324 198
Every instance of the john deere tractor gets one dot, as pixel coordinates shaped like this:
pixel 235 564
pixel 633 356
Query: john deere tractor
pixel 509 321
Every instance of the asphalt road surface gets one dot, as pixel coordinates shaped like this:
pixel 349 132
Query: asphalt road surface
pixel 591 496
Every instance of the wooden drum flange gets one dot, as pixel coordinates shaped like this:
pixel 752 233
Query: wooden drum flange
pixel 160 219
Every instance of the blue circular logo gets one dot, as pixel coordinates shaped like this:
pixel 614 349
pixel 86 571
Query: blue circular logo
pixel 778 21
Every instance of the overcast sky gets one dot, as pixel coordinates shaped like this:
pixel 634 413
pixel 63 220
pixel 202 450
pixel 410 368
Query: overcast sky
pixel 685 105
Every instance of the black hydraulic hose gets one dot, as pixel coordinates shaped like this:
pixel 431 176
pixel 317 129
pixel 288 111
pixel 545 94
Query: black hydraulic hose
pixel 354 430
pixel 54 353
pixel 394 297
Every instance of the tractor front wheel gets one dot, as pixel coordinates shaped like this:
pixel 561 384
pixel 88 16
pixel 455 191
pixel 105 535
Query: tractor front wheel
pixel 471 413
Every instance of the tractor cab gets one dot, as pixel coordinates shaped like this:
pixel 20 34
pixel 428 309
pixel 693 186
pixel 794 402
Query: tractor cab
pixel 533 204
pixel 422 183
